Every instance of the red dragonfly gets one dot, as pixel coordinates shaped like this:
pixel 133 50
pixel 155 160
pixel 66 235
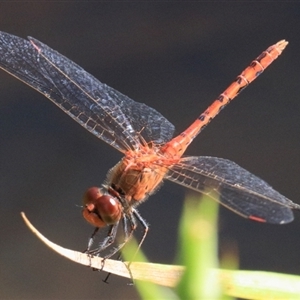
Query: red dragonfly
pixel 144 136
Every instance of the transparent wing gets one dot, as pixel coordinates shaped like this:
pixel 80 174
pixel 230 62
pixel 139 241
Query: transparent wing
pixel 234 187
pixel 105 112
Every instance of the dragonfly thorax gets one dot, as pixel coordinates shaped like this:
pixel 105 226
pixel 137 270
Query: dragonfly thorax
pixel 135 177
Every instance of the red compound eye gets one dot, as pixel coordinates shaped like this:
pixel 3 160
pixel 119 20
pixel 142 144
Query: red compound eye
pixel 101 210
pixel 92 194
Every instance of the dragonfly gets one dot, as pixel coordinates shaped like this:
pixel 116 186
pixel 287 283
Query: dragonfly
pixel 144 136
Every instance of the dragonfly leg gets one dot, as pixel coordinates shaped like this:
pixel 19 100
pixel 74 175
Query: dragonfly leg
pixel 128 232
pixel 109 239
pixel 91 241
pixel 146 229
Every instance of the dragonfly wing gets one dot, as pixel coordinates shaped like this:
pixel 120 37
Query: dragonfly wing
pixel 105 112
pixel 234 187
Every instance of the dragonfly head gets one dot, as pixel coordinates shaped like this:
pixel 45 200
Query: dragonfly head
pixel 101 209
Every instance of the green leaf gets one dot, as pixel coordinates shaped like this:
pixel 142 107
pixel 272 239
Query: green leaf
pixel 199 249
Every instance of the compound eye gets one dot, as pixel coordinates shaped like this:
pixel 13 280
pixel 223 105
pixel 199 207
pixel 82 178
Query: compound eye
pixel 109 209
pixel 101 209
pixel 91 195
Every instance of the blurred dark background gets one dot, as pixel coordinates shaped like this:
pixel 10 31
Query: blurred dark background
pixel 176 58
